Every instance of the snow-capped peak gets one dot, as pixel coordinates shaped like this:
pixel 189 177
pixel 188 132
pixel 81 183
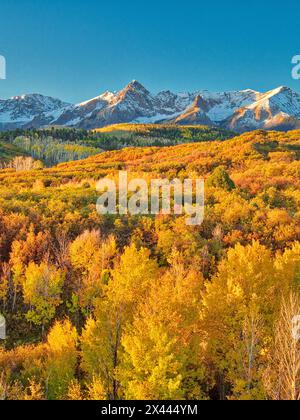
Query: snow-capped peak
pixel 238 110
pixel 22 110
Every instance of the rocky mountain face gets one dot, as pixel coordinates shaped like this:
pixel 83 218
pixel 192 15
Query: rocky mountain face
pixel 277 109
pixel 239 111
pixel 29 111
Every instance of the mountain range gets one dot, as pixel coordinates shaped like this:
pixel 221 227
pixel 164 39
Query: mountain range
pixel 239 111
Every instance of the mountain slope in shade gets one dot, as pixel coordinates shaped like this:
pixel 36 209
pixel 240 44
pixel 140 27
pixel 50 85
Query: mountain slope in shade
pixel 33 110
pixel 240 111
pixel 195 114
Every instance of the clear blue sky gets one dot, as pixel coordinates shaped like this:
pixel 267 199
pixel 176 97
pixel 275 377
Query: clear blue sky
pixel 75 49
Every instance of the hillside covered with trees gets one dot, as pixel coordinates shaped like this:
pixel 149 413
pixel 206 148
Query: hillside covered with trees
pixel 145 307
pixel 8 152
pixel 56 145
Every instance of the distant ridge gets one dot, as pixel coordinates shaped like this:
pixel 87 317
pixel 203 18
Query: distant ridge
pixel 239 111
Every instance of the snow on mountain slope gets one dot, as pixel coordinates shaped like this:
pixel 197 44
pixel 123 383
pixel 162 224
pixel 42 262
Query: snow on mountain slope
pixel 238 110
pixel 223 104
pixel 196 114
pixel 21 111
pixel 276 109
pixel 132 102
pixel 24 108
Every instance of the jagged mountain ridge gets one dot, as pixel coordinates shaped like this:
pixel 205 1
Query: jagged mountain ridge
pixel 244 110
pixel 29 111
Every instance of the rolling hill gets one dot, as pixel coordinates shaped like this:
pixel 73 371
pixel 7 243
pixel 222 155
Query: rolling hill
pixel 167 134
pixel 56 145
pixel 65 266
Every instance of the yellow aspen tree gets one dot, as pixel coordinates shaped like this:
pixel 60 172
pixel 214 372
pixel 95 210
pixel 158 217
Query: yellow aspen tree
pixel 91 257
pixel 101 337
pixel 163 347
pixel 282 375
pixel 236 301
pixel 42 289
pixel 62 359
pixel 96 390
pixel 75 391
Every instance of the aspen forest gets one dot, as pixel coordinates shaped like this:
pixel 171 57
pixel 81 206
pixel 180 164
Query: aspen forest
pixel 123 307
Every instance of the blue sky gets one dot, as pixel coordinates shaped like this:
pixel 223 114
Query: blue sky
pixel 76 49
